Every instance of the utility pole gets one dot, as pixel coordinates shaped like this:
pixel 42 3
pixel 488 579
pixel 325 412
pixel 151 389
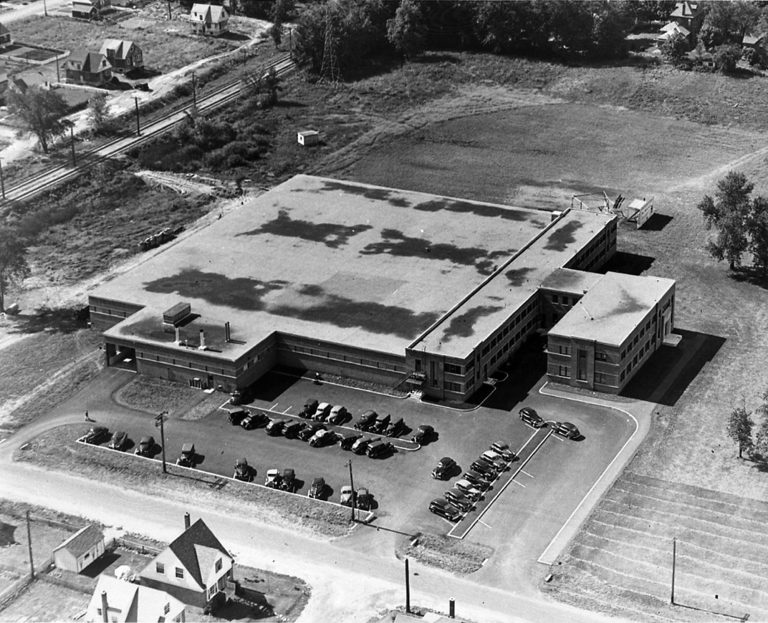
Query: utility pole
pixel 674 557
pixel 58 77
pixel 354 493
pixel 72 144
pixel 138 124
pixel 2 179
pixel 45 8
pixel 194 90
pixel 29 544
pixel 170 15
pixel 159 420
pixel 290 43
pixel 407 589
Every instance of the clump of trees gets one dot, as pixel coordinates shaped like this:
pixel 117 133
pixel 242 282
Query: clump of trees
pixel 13 260
pixel 741 429
pixel 41 112
pixel 740 223
pixel 343 34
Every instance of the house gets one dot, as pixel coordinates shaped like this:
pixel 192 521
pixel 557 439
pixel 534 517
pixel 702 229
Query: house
pixel 194 568
pixel 209 19
pixel 90 9
pixel 80 550
pixel 118 601
pixel 22 81
pixel 753 41
pixel 5 35
pixel 673 28
pixel 124 56
pixel 83 67
pixel 689 15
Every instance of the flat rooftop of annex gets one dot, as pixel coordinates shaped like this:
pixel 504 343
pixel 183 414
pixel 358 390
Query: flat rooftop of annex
pixel 345 262
pixel 612 308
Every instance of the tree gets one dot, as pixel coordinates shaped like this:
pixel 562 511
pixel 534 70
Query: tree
pixel 728 22
pixel 675 48
pixel 276 33
pixel 761 439
pixel 13 261
pixel 272 85
pixel 740 427
pixel 405 31
pixel 757 230
pixel 728 213
pixel 41 112
pixel 726 56
pixel 98 112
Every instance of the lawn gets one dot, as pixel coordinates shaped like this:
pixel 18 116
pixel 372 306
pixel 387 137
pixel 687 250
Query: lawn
pixel 57 449
pixel 42 600
pixel 155 395
pixel 165 46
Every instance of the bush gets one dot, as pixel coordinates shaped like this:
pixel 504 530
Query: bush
pixel 726 56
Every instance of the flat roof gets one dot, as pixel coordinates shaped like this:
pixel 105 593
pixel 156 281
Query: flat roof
pixel 345 262
pixel 513 285
pixel 570 281
pixel 613 308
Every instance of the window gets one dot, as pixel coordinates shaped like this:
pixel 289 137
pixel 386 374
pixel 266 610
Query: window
pixel 581 366
pixel 452 368
pixel 600 377
pixel 218 564
pixel 160 567
pixel 565 350
pixel 563 371
pixel 432 373
pixel 452 387
pixel 555 298
pixel 601 355
pixel 179 572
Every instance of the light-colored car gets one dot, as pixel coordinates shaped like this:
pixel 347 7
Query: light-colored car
pixel 467 489
pixel 338 415
pixel 322 438
pixel 346 496
pixel 273 478
pixel 323 409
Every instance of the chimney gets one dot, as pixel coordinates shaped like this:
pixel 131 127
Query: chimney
pixel 104 613
pixel 186 521
pixel 177 341
pixel 202 340
pixel 227 333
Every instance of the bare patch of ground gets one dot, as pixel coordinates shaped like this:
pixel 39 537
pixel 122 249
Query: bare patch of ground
pixel 153 395
pixel 454 555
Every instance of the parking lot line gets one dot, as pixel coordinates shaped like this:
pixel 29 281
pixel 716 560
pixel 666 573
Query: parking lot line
pixel 272 408
pixel 223 405
pixel 520 484
pixel 522 471
pixel 485 524
pixel 288 409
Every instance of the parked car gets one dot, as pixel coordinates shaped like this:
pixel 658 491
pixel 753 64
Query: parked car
pixel 323 438
pixel 466 487
pixel 275 427
pixel 188 456
pixel 237 416
pixel 381 424
pixel 338 415
pixel 347 441
pixel 496 459
pixel 485 469
pixel 477 479
pixel 289 480
pixel 424 434
pixel 273 479
pixel 309 408
pixel 379 449
pixel 529 416
pixel 366 420
pixel 243 471
pixel 96 435
pixel 292 429
pixel 318 489
pixel 145 447
pixel 443 508
pixel 345 498
pixel 364 500
pixel 119 441
pixel 567 430
pixel 459 500
pixel 396 428
pixel 305 434
pixel 254 420
pixel 361 445
pixel 322 412
pixel 237 397
pixel 444 468
pixel 502 448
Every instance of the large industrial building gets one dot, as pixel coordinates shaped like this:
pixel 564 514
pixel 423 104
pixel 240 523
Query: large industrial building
pixel 395 287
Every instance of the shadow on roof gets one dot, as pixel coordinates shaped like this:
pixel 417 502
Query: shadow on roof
pixel 331 235
pixel 628 263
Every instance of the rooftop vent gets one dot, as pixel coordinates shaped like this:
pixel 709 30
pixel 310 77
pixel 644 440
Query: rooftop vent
pixel 177 314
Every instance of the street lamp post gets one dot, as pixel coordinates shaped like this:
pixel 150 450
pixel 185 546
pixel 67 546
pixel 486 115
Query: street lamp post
pixel 159 420
pixel 354 493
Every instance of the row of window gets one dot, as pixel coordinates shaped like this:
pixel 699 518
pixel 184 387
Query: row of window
pixel 565 300
pixel 183 364
pixel 593 254
pixel 371 363
pixel 639 336
pixel 452 368
pixel 600 377
pixel 453 387
pixel 638 357
pixel 519 317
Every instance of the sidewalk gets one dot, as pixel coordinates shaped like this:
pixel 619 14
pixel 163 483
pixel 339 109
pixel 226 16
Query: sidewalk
pixel 641 412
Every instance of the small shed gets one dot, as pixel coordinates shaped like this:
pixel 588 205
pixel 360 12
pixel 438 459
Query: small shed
pixel 308 137
pixel 80 550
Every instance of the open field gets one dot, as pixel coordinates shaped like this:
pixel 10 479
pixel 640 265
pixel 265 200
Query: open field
pixel 166 46
pixel 41 601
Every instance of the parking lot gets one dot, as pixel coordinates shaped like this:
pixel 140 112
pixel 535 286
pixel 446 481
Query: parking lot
pixel 518 517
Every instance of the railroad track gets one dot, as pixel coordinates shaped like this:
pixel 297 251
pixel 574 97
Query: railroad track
pixel 52 176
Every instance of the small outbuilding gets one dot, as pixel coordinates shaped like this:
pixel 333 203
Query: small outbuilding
pixel 90 9
pixel 80 550
pixel 308 137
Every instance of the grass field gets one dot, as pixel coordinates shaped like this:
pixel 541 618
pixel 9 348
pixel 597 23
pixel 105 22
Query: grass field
pixel 41 599
pixel 57 449
pixel 165 46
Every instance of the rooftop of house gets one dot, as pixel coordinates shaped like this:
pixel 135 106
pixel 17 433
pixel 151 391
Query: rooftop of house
pixel 211 12
pixel 350 263
pixel 83 540
pixel 128 602
pixel 121 47
pixel 613 308
pixel 89 61
pixel 196 548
